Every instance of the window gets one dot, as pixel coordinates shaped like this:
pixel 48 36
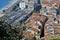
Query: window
pixel 3 10
pixel 39 27
pixel 14 8
pixel 17 4
pixel 54 19
pixel 35 33
pixel 51 30
pixel 49 27
pixel 38 31
pixel 29 27
pixel 26 6
pixel 51 34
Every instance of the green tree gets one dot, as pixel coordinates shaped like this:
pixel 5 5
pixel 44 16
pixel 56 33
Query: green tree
pixel 55 39
pixel 4 30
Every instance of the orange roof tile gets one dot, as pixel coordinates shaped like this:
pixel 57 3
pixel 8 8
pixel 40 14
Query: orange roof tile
pixel 34 29
pixel 46 31
pixel 28 24
pixel 47 22
pixel 54 24
pixel 42 18
pixel 28 35
pixel 45 2
pixel 47 34
pixel 57 32
pixel 52 8
pixel 52 2
pixel 36 24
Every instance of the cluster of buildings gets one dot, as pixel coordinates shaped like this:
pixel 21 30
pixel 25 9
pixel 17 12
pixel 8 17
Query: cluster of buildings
pixel 33 26
pixel 50 9
pixel 17 10
pixel 48 15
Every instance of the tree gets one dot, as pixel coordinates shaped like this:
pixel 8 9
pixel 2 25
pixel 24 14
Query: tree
pixel 3 30
pixel 55 39
pixel 43 25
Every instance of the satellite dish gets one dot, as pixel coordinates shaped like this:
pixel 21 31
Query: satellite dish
pixel 22 5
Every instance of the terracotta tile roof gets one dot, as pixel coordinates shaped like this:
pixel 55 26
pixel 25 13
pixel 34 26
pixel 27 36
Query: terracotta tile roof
pixel 37 14
pixel 52 2
pixel 59 20
pixel 28 35
pixel 36 25
pixel 25 33
pixel 28 24
pixel 33 18
pixel 58 3
pixel 42 18
pixel 47 22
pixel 34 29
pixel 57 31
pixel 46 31
pixel 36 17
pixel 54 24
pixel 52 8
pixel 47 34
pixel 45 2
pixel 58 17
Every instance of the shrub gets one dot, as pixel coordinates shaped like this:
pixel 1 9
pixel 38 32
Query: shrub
pixel 55 39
